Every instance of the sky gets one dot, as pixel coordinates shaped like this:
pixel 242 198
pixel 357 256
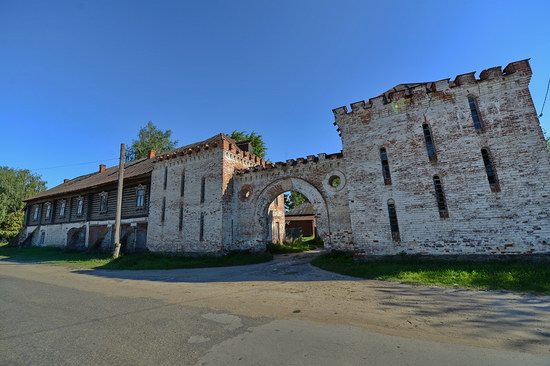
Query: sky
pixel 77 78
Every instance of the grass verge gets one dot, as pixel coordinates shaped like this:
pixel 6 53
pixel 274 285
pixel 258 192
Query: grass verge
pixel 512 275
pixel 56 256
pixel 303 245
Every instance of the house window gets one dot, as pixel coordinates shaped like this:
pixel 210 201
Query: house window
pixel 440 196
pixel 429 142
pixel 48 210
pixel 201 232
pixel 165 177
pixel 203 185
pixel 181 218
pixel 36 213
pixel 62 206
pixel 394 226
pixel 140 197
pixel 79 206
pixel 182 188
pixel 103 202
pixel 163 211
pixel 478 125
pixel 42 238
pixel 385 166
pixel 490 170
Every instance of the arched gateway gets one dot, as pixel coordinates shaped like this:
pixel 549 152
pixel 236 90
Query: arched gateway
pixel 315 177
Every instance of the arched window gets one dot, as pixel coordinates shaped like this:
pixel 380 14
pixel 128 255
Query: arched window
pixel 474 110
pixel 429 142
pixel 394 226
pixel 385 166
pixel 490 170
pixel 440 196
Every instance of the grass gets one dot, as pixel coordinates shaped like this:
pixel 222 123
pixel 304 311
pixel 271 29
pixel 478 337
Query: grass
pixel 81 260
pixel 299 246
pixel 511 275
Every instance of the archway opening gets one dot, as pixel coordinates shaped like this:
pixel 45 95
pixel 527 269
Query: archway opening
pixel 291 222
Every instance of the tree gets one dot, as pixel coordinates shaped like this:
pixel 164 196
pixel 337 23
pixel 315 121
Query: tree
pixel 256 140
pixel 294 199
pixel 151 137
pixel 16 185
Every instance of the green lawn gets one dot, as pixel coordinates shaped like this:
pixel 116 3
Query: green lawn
pixel 303 245
pixel 81 260
pixel 512 275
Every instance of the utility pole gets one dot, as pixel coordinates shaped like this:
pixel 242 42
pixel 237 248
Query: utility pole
pixel 118 214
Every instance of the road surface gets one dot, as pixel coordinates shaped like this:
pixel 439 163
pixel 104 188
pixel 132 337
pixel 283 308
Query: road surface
pixel 284 312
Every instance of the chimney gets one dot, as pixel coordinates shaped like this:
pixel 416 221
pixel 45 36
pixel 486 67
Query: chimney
pixel 246 146
pixel 102 168
pixel 66 180
pixel 151 154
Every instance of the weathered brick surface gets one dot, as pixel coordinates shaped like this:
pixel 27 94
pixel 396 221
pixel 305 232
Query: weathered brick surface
pixel 515 220
pixel 354 216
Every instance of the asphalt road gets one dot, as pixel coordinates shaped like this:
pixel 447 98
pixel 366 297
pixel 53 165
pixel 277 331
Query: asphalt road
pixel 56 317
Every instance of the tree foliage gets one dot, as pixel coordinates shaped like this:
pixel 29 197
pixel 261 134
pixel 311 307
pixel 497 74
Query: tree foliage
pixel 151 137
pixel 294 199
pixel 16 185
pixel 256 140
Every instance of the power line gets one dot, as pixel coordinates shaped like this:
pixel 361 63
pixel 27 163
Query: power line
pixel 75 164
pixel 545 96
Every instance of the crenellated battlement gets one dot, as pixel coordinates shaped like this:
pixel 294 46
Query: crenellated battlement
pixel 310 159
pixel 404 94
pixel 218 141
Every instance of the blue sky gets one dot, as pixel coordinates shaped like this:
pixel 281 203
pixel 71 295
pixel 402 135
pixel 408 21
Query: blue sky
pixel 80 77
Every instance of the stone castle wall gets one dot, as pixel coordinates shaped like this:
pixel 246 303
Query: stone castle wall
pixel 480 221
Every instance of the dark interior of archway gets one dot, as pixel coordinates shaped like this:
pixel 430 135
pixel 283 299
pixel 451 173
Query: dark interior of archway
pixel 291 219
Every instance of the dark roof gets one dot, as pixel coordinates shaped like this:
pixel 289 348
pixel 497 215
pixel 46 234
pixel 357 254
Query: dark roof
pixel 132 169
pixel 302 210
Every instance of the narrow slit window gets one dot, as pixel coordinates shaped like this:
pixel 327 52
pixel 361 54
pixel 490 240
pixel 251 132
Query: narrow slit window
pixel 165 177
pixel 385 166
pixel 35 213
pixel 182 189
pixel 478 125
pixel 490 170
pixel 430 148
pixel 181 218
pixel 440 196
pixel 394 225
pixel 203 186
pixel 163 210
pixel 201 232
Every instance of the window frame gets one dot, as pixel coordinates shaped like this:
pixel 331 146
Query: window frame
pixel 384 160
pixel 441 198
pixel 48 213
pixel 79 206
pixel 475 113
pixel 62 208
pixel 429 142
pixel 393 220
pixel 490 170
pixel 140 193
pixel 103 202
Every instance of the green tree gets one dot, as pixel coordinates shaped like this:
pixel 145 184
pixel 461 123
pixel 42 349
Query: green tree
pixel 294 199
pixel 256 140
pixel 151 137
pixel 16 185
